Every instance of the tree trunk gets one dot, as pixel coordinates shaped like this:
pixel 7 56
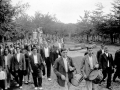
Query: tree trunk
pixel 102 39
pixel 111 37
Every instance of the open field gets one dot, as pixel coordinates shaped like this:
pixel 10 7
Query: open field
pixel 77 57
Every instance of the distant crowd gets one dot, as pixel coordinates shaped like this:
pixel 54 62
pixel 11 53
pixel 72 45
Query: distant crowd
pixel 19 60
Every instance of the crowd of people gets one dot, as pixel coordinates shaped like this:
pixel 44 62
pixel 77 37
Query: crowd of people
pixel 103 60
pixel 18 62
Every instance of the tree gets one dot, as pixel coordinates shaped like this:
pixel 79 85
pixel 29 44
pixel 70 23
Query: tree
pixel 84 25
pixel 97 17
pixel 24 25
pixel 6 15
pixel 116 21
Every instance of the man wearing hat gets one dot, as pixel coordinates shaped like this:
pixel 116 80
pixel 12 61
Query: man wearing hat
pixel 63 68
pixel 88 64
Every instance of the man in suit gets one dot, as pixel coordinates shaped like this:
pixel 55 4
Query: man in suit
pixel 36 62
pixel 41 52
pixel 46 57
pixel 18 66
pixel 88 64
pixel 101 51
pixel 27 71
pixel 28 53
pixel 63 68
pixel 117 65
pixel 54 54
pixel 106 64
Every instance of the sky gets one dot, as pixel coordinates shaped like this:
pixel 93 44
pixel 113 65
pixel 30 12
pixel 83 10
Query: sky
pixel 67 11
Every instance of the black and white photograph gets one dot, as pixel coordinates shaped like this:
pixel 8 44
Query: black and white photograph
pixel 59 44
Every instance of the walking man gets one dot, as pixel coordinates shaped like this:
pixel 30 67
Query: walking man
pixel 63 68
pixel 36 62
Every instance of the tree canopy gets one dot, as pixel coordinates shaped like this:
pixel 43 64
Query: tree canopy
pixel 15 23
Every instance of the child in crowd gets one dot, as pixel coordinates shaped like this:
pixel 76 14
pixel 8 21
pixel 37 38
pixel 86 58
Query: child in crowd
pixel 2 79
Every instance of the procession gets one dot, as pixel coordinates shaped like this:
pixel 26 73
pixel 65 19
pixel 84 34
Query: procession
pixel 25 57
pixel 30 61
pixel 59 44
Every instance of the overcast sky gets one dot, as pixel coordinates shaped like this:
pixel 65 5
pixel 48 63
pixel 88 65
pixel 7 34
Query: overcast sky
pixel 67 11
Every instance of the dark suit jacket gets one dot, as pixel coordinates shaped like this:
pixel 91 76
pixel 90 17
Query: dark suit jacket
pixel 54 55
pixel 27 58
pixel 21 65
pixel 59 69
pixel 42 51
pixel 33 66
pixel 98 55
pixel 117 59
pixel 104 61
pixel 2 61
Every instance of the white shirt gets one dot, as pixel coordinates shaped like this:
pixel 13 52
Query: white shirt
pixel 6 60
pixel 18 57
pixel 2 49
pixel 46 52
pixel 91 62
pixel 11 49
pixel 35 59
pixel 59 44
pixel 2 75
pixel 108 64
pixel 66 64
pixel 29 53
pixel 102 51
pixel 57 51
pixel 106 54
